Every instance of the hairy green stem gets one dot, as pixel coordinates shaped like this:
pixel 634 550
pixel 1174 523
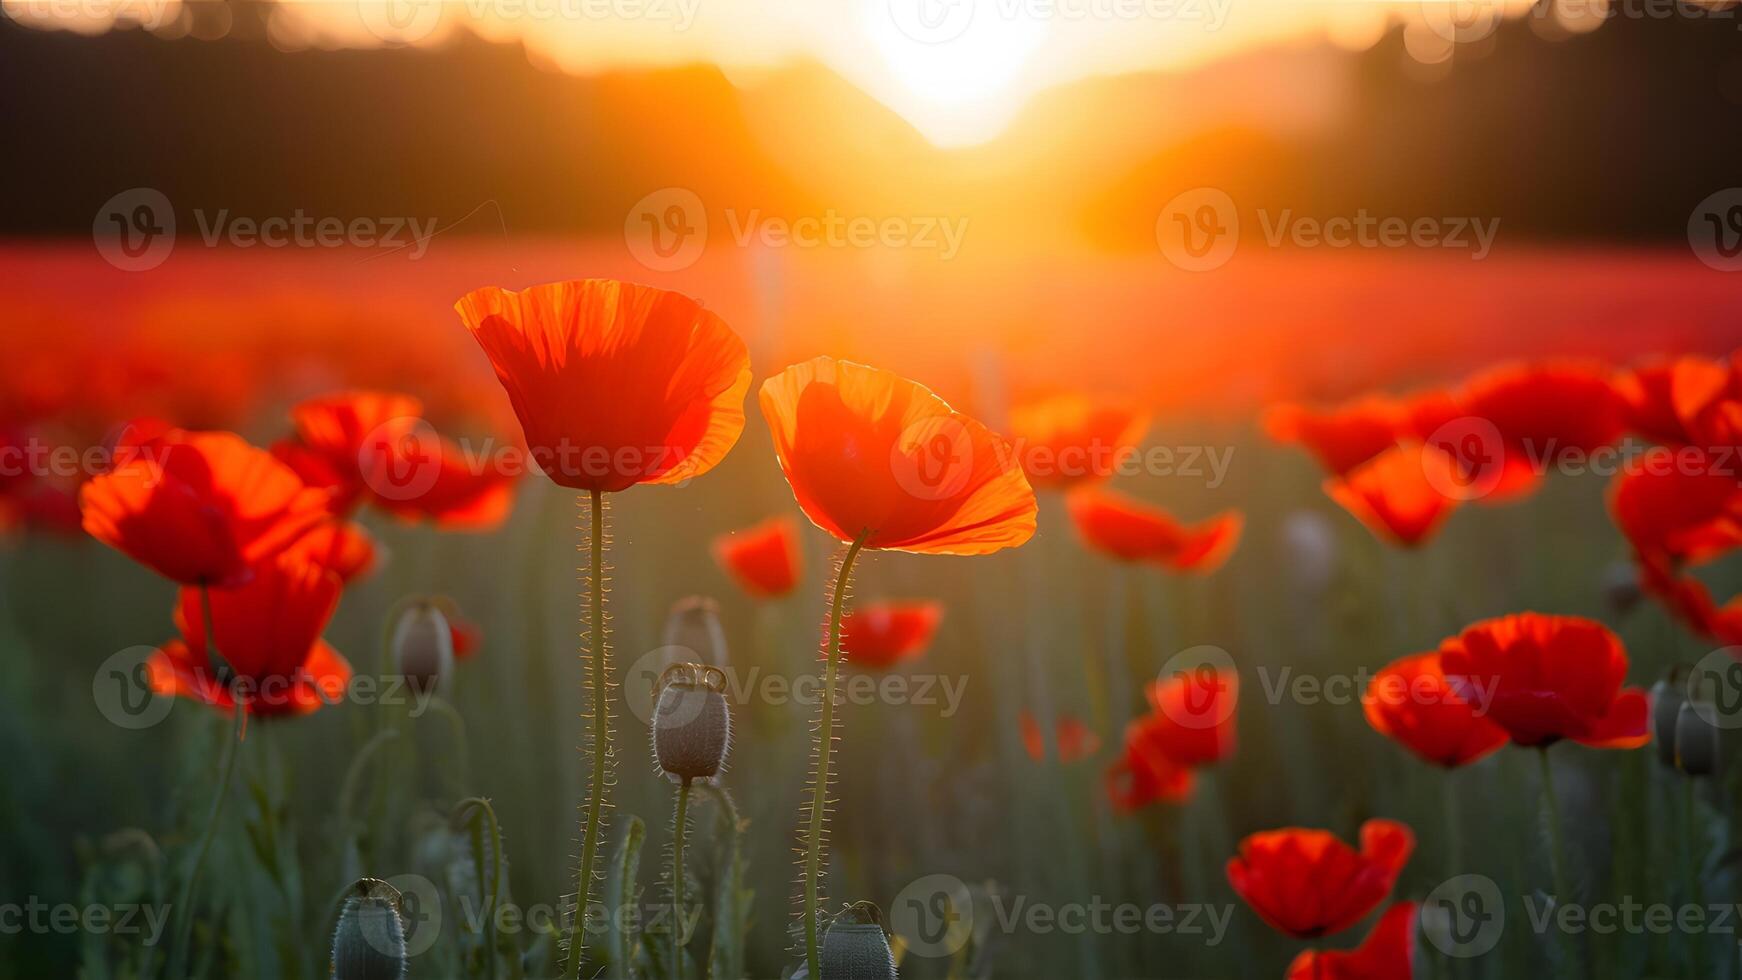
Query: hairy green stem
pixel 601 740
pixel 679 826
pixel 825 737
pixel 1557 854
pixel 226 771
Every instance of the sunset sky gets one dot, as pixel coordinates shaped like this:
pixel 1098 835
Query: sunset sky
pixel 958 70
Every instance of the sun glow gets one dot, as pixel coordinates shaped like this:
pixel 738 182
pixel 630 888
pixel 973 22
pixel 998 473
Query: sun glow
pixel 957 71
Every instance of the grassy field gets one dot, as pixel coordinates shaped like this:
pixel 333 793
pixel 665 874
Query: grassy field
pixel 1309 605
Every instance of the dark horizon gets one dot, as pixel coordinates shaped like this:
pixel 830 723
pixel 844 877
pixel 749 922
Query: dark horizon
pixel 573 154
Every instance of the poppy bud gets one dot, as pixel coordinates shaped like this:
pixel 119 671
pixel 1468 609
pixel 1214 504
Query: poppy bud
pixel 369 943
pixel 692 728
pixel 1696 740
pixel 694 624
pixel 423 645
pixel 1667 698
pixel 855 946
pixel 1621 589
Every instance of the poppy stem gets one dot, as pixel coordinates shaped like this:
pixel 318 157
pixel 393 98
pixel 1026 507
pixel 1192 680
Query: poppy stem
pixel 825 742
pixel 601 747
pixel 1557 859
pixel 679 829
pixel 1557 843
pixel 226 771
pixel 1696 893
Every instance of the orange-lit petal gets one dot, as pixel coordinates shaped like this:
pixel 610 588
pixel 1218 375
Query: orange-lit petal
pixel 614 383
pixel 872 455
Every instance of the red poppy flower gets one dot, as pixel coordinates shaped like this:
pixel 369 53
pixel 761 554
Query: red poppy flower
pixel 1308 884
pixel 1707 397
pixel 1412 703
pixel 1678 503
pixel 764 559
pixel 269 633
pixel 1489 469
pixel 1341 437
pixel 1388 952
pixel 1076 741
pixel 879 635
pixel 448 491
pixel 343 439
pixel 375 446
pixel 1070 439
pixel 1545 678
pixel 1125 529
pixel 1143 776
pixel 1547 410
pixel 875 457
pixel 614 383
pixel 1402 494
pixel 1648 394
pixel 1690 601
pixel 200 507
pixel 342 547
pixel 1190 724
pixel 1191 718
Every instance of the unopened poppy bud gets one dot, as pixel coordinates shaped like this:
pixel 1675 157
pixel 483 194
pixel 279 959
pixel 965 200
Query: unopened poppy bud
pixel 694 624
pixel 369 943
pixel 692 728
pixel 423 645
pixel 855 946
pixel 1621 591
pixel 1667 698
pixel 1696 740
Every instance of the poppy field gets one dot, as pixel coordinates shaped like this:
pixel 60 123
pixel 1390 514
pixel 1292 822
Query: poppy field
pixel 351 654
